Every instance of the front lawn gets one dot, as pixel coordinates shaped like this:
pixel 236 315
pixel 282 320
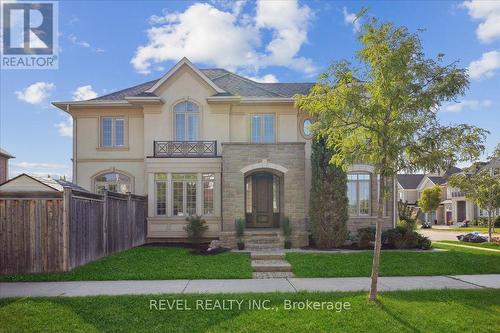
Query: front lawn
pixel 408 311
pixel 152 263
pixel 395 263
pixel 493 246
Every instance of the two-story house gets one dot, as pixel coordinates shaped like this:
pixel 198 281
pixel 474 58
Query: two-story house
pixel 212 143
pixel 4 165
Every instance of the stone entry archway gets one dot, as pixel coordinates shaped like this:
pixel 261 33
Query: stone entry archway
pixel 263 198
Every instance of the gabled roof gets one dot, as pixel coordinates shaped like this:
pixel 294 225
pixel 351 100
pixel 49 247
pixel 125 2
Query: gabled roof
pixel 410 181
pixel 452 170
pixel 5 153
pixel 54 184
pixel 437 180
pixel 224 82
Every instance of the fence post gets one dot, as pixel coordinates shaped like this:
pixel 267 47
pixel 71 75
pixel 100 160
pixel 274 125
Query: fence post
pixel 130 220
pixel 105 221
pixel 66 225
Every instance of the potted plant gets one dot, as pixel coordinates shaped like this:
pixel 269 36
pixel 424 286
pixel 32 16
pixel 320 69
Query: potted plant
pixel 287 232
pixel 240 231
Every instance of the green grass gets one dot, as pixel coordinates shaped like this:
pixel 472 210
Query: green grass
pixel 480 245
pixel 409 311
pixel 465 229
pixel 392 263
pixel 152 263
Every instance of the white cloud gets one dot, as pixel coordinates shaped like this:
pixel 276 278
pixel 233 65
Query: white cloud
pixel 65 128
pixel 74 40
pixel 40 169
pixel 268 78
pixel 488 12
pixel 228 38
pixel 472 104
pixel 350 18
pixel 486 66
pixel 84 93
pixel 35 93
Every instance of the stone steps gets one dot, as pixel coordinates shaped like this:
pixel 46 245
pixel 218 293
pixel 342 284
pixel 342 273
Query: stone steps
pixel 271 266
pixel 267 256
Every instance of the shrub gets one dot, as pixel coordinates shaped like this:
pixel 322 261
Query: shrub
pixel 402 238
pixel 195 229
pixel 328 200
pixel 423 242
pixel 287 231
pixel 409 224
pixel 239 224
pixel 497 222
pixel 365 236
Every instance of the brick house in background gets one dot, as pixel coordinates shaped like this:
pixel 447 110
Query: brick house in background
pixel 4 165
pixel 212 143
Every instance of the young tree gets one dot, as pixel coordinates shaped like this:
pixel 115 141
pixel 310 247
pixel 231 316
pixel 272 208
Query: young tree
pixel 328 200
pixel 430 199
pixel 481 185
pixel 383 112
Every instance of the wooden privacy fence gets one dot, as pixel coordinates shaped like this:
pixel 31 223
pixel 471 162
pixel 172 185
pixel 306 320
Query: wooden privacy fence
pixel 57 231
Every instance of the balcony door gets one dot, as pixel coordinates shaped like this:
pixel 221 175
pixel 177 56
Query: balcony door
pixel 187 121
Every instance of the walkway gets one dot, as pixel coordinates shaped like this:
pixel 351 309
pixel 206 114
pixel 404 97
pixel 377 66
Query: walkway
pixel 90 288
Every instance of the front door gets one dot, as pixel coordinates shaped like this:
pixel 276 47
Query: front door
pixel 261 214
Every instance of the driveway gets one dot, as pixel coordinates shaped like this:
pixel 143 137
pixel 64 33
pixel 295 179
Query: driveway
pixel 437 235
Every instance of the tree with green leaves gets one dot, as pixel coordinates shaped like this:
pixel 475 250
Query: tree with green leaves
pixel 482 186
pixel 328 200
pixel 383 111
pixel 430 199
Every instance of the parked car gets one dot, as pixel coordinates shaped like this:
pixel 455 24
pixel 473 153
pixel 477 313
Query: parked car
pixel 426 225
pixel 473 237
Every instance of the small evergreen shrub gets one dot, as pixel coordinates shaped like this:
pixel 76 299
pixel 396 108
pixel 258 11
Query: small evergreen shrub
pixel 366 236
pixel 240 231
pixel 402 237
pixel 287 232
pixel 195 229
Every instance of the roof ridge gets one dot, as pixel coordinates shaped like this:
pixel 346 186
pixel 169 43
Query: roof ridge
pixel 256 84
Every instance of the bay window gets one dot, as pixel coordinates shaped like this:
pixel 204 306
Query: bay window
pixel 358 194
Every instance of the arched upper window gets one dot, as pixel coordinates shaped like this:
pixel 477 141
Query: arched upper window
pixel 114 182
pixel 187 121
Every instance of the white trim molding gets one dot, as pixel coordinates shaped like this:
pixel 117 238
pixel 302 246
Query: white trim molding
pixel 264 165
pixel 361 168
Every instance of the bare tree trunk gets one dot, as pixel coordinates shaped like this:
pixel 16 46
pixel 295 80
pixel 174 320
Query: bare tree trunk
pixel 378 239
pixel 489 225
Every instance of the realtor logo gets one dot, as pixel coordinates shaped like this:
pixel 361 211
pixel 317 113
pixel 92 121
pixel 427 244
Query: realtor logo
pixel 29 35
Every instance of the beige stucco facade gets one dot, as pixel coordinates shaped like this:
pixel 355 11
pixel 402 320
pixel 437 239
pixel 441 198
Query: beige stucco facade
pixel 223 120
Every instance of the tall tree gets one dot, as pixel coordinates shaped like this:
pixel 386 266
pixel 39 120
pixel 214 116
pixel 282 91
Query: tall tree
pixel 383 112
pixel 328 199
pixel 482 186
pixel 430 199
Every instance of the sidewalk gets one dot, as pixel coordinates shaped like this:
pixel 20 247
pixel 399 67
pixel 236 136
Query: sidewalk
pixel 92 288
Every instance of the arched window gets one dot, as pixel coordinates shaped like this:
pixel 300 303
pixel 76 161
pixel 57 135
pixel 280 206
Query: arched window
pixel 306 128
pixel 114 182
pixel 187 120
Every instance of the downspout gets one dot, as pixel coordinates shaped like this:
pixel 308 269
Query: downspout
pixel 74 177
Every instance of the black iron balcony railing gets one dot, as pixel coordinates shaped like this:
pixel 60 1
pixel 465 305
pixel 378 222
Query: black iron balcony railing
pixel 185 148
pixel 457 194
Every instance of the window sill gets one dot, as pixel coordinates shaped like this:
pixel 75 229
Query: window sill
pixel 113 148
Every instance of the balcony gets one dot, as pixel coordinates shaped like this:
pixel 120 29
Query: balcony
pixel 457 194
pixel 185 148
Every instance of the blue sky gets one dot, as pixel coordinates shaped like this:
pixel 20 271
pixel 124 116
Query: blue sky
pixel 110 45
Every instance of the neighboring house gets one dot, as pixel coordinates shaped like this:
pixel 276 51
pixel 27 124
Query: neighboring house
pixel 212 143
pixel 4 165
pixel 36 184
pixel 407 187
pixel 442 215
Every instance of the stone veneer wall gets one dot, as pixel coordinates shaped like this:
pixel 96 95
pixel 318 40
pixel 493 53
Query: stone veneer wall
pixel 236 156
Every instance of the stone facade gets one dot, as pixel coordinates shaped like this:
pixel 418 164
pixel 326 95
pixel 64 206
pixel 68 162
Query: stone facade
pixel 239 159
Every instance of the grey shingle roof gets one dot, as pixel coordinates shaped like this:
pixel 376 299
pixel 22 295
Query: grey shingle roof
pixel 410 181
pixel 233 84
pixel 438 180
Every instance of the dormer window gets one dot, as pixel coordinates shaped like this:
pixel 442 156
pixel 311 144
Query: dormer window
pixel 187 121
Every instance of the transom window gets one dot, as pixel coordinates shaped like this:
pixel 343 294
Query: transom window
pixel 358 193
pixel 112 132
pixel 114 182
pixel 187 119
pixel 263 129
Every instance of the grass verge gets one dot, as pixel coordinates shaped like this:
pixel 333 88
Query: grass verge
pixel 152 263
pixel 408 311
pixel 393 263
pixel 493 246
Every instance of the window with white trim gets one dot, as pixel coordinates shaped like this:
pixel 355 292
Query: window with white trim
pixel 184 194
pixel 187 121
pixel 358 194
pixel 263 128
pixel 208 180
pixel 113 182
pixel 112 132
pixel 161 187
